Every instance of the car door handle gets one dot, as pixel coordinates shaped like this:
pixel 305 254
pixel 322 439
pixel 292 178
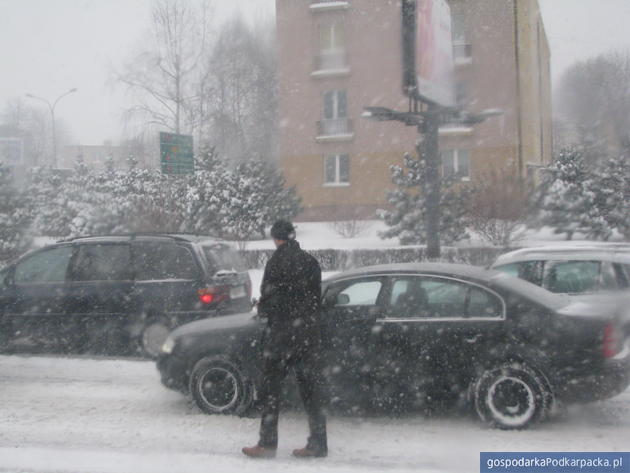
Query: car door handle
pixel 472 339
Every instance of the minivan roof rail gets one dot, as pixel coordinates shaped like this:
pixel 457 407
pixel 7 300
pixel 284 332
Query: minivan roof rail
pixel 179 236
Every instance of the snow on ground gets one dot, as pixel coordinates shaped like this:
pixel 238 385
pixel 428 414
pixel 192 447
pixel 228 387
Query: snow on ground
pixel 322 235
pixel 77 415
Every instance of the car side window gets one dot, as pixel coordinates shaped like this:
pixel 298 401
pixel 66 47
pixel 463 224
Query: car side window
pixel 623 276
pixel 427 297
pixel 609 279
pixel 46 266
pixel 162 261
pixel 101 262
pixel 483 304
pixel 360 293
pixel 573 276
pixel 364 292
pixel 530 271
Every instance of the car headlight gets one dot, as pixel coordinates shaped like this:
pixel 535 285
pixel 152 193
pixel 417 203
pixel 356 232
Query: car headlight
pixel 168 345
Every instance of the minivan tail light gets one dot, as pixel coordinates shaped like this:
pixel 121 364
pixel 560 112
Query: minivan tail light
pixel 610 345
pixel 212 295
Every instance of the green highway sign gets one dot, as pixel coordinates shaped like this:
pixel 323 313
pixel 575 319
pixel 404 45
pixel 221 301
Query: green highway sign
pixel 176 153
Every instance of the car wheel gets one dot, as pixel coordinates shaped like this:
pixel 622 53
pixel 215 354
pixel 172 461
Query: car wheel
pixel 512 396
pixel 220 386
pixel 153 336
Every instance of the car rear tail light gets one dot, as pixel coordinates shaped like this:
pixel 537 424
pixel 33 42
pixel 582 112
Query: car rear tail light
pixel 610 345
pixel 213 295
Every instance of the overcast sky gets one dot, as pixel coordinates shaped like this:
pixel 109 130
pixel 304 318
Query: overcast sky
pixel 50 46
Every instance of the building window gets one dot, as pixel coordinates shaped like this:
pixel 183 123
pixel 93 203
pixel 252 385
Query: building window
pixel 335 120
pixel 456 162
pixel 462 49
pixel 337 170
pixel 332 48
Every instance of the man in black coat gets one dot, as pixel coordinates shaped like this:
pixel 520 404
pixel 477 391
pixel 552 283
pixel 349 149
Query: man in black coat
pixel 291 301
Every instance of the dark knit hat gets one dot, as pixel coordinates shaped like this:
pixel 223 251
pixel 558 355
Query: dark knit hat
pixel 283 230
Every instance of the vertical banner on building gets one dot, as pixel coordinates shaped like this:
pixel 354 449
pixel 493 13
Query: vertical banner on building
pixel 176 153
pixel 428 51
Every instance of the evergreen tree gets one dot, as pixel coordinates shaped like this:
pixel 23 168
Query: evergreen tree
pixel 407 218
pixel 207 198
pixel 268 197
pixel 613 194
pixel 14 218
pixel 48 202
pixel 568 198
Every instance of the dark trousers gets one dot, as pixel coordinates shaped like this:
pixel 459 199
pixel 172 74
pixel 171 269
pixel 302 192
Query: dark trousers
pixel 308 373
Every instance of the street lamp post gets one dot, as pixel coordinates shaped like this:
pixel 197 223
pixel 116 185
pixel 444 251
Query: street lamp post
pixel 51 107
pixel 428 123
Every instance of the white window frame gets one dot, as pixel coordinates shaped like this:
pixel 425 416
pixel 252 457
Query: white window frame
pixel 335 94
pixel 456 152
pixel 337 182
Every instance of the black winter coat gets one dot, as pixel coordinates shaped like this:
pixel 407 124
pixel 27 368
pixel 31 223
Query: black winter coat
pixel 291 297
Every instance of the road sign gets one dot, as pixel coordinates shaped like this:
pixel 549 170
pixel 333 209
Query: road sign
pixel 176 153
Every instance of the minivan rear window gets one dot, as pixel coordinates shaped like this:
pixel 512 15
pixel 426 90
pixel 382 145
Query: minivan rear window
pixel 164 261
pixel 223 257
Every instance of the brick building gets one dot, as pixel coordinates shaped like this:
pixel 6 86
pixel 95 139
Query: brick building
pixel 335 58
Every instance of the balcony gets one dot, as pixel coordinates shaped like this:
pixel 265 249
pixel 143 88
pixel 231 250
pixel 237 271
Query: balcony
pixel 331 63
pixel 334 129
pixel 326 5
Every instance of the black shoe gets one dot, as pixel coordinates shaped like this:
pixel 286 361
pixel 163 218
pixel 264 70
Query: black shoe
pixel 309 452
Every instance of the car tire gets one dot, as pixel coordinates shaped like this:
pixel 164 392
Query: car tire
pixel 153 335
pixel 512 396
pixel 220 386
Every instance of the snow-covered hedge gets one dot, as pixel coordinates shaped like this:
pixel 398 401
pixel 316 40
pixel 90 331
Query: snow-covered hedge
pixel 342 259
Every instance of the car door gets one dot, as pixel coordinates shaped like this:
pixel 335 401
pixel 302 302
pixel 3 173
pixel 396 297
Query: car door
pixel 168 279
pixel 435 331
pixel 99 298
pixel 351 308
pixel 33 300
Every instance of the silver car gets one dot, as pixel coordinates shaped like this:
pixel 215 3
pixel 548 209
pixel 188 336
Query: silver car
pixel 571 268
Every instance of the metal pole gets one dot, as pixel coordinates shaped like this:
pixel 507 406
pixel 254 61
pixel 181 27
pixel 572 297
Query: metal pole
pixel 52 116
pixel 432 181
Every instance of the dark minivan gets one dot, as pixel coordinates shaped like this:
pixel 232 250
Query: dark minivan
pixel 117 294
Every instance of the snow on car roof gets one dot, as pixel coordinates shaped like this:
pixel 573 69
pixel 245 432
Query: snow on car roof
pixel 588 251
pixel 450 269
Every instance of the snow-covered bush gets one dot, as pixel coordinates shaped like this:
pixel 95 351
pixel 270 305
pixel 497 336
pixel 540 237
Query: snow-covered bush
pixel 14 218
pixel 574 198
pixel 407 216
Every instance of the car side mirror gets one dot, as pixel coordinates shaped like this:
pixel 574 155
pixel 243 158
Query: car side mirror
pixel 343 299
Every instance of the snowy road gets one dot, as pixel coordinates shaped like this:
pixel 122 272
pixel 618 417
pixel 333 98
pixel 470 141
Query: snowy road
pixel 86 415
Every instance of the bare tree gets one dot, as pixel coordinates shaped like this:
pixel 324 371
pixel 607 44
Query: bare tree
pixel 21 120
pixel 594 99
pixel 498 207
pixel 240 94
pixel 162 75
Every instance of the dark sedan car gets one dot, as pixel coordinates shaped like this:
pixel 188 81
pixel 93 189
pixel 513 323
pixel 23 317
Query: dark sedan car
pixel 416 332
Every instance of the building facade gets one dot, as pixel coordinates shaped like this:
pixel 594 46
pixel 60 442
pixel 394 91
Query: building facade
pixel 335 58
